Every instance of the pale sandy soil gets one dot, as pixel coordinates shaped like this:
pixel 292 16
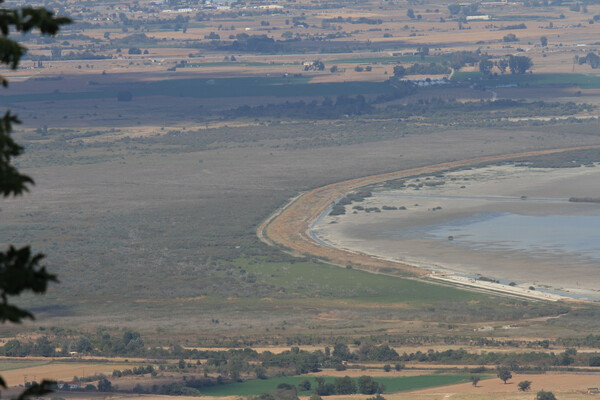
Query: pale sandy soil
pixel 361 232
pixel 557 383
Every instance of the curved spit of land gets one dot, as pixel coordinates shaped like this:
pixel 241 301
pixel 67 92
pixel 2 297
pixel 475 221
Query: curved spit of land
pixel 289 227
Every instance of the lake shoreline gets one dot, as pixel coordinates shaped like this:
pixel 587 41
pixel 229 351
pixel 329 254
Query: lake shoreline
pixel 533 191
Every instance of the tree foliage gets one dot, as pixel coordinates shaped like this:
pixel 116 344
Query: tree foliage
pixel 524 386
pixel 543 395
pixel 20 269
pixel 519 64
pixel 504 374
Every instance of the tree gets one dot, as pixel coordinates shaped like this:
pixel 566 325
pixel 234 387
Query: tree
pixel 399 71
pixel 341 351
pixel 366 385
pixel 504 374
pixel 454 9
pixel 475 380
pixel 324 389
pixel 20 269
pixel 104 385
pixel 544 41
pixel 344 385
pixel 593 60
pixel 594 361
pixel 387 367
pixel 519 64
pixel 485 65
pixel 524 386
pixel 542 395
pixel 502 65
pixel 261 372
pixel 565 359
pixel 410 13
pixel 304 385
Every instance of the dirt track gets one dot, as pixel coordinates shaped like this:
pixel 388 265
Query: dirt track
pixel 288 227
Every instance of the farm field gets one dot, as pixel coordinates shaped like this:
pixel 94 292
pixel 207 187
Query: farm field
pixel 19 373
pixel 393 385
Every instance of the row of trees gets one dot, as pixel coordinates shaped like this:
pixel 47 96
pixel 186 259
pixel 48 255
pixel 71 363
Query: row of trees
pixel 592 59
pixel 421 69
pixel 346 385
pixel 516 64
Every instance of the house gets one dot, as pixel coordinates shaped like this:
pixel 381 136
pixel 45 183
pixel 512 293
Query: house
pixel 478 18
pixel 68 386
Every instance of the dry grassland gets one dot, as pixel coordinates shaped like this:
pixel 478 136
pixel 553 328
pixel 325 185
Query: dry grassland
pixel 58 371
pixel 555 382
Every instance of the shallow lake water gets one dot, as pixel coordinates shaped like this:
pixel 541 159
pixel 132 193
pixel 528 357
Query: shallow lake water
pixel 576 235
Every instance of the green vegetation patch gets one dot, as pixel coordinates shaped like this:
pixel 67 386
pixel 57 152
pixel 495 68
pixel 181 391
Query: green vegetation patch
pixel 216 88
pixel 6 365
pixel 392 384
pixel 584 81
pixel 390 60
pixel 310 279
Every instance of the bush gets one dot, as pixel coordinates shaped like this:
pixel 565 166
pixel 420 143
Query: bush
pixel 344 385
pixel 304 385
pixel 542 395
pixel 524 386
pixel 366 385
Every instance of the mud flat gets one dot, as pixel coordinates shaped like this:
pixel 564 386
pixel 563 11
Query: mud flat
pixel 512 225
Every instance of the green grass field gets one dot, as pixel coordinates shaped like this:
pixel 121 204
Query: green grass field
pixel 583 81
pixel 390 60
pixel 326 281
pixel 392 385
pixel 7 365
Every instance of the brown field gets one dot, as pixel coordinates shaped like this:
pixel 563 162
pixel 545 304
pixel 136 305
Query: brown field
pixel 556 382
pixel 58 371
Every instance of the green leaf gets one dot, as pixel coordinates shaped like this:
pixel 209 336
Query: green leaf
pixel 37 389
